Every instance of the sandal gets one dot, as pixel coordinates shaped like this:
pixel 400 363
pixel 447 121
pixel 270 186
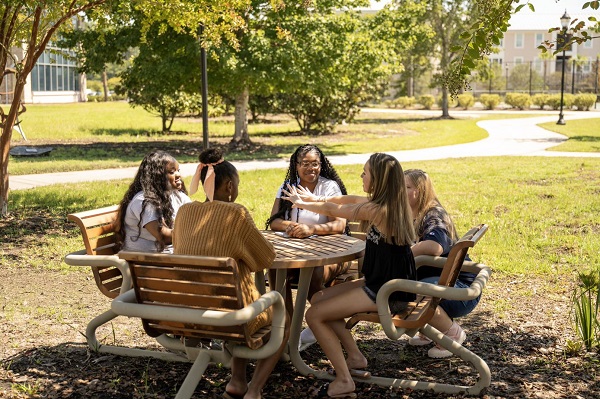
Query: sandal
pixel 357 373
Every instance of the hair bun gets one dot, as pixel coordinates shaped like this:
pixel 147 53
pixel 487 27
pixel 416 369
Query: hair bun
pixel 210 155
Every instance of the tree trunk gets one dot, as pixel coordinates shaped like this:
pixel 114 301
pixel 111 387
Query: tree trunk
pixel 105 85
pixel 445 113
pixel 240 136
pixel 8 124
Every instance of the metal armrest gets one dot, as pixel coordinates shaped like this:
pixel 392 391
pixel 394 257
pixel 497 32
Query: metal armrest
pixel 126 305
pixel 434 290
pixel 81 258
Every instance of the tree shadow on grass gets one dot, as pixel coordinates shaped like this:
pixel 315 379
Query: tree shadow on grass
pixel 588 139
pixel 523 364
pixel 131 154
pixel 386 121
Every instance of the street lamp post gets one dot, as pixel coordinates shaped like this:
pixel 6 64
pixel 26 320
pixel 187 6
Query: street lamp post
pixel 564 22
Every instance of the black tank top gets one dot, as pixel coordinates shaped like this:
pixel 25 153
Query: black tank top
pixel 384 262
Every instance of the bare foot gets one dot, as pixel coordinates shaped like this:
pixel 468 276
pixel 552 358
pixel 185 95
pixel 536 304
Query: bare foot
pixel 340 386
pixel 357 362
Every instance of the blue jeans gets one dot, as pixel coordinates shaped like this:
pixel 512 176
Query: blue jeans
pixel 455 308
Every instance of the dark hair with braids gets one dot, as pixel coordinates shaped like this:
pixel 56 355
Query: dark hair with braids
pixel 291 177
pixel 224 170
pixel 151 178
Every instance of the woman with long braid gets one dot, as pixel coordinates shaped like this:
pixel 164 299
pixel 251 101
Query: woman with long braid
pixel 310 169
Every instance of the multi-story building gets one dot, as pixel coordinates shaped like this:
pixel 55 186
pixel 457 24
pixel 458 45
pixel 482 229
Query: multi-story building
pixel 54 79
pixel 524 67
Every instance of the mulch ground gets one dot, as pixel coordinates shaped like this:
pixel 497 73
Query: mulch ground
pixel 521 329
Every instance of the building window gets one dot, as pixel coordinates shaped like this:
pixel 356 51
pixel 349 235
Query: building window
pixel 55 72
pixel 588 44
pixel 539 38
pixel 519 40
pixel 538 65
pixel 518 60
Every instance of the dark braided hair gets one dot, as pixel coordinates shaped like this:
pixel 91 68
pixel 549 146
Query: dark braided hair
pixel 151 178
pixel 224 170
pixel 291 177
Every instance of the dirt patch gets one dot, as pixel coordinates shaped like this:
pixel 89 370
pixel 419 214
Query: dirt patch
pixel 521 329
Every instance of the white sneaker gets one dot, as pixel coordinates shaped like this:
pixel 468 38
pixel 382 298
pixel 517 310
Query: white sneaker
pixel 456 333
pixel 419 340
pixel 307 338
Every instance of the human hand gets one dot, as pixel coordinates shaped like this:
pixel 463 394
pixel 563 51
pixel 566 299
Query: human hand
pixel 306 195
pixel 292 195
pixel 299 230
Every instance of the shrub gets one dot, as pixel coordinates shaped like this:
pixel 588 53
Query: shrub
pixel 518 100
pixel 404 102
pixel 389 103
pixel 586 303
pixel 489 101
pixel 427 101
pixel 554 100
pixel 540 100
pixel 584 101
pixel 466 100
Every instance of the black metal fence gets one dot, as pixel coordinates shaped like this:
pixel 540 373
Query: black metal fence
pixel 543 76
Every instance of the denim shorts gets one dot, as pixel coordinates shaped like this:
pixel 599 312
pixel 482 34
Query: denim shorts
pixel 395 306
pixel 455 308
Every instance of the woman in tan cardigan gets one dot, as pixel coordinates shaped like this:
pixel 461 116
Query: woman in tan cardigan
pixel 220 227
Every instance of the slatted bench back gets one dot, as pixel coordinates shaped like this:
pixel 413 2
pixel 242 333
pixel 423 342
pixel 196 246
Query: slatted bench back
pixel 419 312
pixel 210 283
pixel 97 228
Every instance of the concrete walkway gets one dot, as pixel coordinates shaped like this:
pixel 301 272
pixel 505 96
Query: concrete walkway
pixel 520 137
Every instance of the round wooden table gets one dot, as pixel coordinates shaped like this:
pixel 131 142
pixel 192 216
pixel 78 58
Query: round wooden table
pixel 305 254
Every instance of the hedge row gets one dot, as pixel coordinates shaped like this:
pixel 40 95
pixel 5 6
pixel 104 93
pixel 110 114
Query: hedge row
pixel 582 102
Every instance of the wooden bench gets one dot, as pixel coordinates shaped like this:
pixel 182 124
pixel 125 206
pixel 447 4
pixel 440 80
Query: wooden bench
pixel 197 297
pixel 111 273
pixel 99 238
pixel 415 318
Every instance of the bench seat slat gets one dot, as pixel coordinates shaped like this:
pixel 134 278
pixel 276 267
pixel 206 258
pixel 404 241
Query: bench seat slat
pixel 187 287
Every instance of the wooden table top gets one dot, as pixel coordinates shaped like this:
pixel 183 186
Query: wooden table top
pixel 294 253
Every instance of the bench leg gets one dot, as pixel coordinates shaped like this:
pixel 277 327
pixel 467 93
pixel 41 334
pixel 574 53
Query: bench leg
pixel 194 376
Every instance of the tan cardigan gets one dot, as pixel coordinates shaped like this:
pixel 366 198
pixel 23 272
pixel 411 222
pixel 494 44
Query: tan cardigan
pixel 225 229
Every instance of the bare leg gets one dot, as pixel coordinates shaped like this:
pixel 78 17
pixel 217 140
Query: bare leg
pixel 264 367
pixel 440 320
pixel 325 318
pixel 237 385
pixel 316 282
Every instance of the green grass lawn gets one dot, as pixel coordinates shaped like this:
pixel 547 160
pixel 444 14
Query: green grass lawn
pixel 583 134
pixel 109 135
pixel 543 212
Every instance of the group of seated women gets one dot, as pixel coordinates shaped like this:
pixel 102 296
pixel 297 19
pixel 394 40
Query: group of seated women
pixel 400 213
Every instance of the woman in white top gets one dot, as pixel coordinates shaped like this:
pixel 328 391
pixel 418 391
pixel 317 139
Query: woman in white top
pixel 310 169
pixel 148 208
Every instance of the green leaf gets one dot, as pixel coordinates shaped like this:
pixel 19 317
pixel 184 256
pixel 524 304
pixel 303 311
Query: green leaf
pixel 531 7
pixel 519 8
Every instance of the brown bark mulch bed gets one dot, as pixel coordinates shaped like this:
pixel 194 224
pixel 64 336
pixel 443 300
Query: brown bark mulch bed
pixel 521 329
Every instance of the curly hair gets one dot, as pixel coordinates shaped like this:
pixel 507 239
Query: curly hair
pixel 151 179
pixel 291 177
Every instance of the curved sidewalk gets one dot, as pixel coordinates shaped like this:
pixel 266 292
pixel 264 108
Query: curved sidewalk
pixel 520 137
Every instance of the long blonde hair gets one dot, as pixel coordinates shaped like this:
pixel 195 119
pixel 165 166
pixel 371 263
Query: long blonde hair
pixel 427 201
pixel 388 195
